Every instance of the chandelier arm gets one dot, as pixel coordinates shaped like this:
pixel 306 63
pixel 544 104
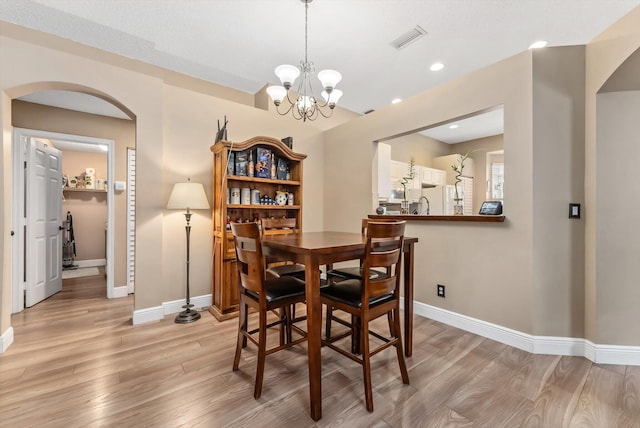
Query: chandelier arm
pixel 293 113
pixel 325 115
pixel 286 112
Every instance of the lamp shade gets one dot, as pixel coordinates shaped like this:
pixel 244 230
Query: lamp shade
pixel 329 78
pixel 277 93
pixel 188 196
pixel 287 74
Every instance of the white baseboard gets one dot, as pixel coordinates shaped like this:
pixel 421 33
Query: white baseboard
pixel 90 263
pixel 158 312
pixel 122 291
pixel 198 302
pixel 550 345
pixel 6 339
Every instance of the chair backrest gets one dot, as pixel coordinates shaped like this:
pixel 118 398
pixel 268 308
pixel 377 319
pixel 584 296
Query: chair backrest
pixel 383 249
pixel 285 225
pixel 365 222
pixel 249 257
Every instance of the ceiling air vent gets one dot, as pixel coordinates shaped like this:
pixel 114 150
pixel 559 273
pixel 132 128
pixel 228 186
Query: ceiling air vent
pixel 369 111
pixel 409 37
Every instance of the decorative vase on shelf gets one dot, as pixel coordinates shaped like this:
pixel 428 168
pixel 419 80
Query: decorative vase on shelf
pixel 458 206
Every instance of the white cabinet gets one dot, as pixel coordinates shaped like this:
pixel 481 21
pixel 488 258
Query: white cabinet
pixel 431 176
pixel 399 170
pixel 383 159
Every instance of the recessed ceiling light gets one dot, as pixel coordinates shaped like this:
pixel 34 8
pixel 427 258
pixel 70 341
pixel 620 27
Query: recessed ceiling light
pixel 453 126
pixel 437 66
pixel 539 44
pixel 396 101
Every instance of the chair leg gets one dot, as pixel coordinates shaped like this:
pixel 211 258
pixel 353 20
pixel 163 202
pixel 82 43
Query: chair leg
pixel 366 363
pixel 245 318
pixel 390 321
pixel 283 321
pixel 356 349
pixel 287 322
pixel 262 350
pixel 398 345
pixel 328 322
pixel 242 340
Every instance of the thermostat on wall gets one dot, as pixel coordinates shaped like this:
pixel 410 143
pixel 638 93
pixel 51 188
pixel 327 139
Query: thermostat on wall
pixel 120 185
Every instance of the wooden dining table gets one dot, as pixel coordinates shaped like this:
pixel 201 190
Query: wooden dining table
pixel 315 249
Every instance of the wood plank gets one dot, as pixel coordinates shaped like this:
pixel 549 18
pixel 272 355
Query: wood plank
pixel 600 400
pixel 97 369
pixel 629 416
pixel 556 402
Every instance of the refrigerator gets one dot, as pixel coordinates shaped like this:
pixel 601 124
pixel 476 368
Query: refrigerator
pixel 440 200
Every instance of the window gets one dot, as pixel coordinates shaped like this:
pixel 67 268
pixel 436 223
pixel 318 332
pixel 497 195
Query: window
pixel 496 183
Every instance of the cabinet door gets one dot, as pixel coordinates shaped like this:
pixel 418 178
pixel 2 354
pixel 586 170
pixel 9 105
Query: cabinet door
pixel 384 171
pixel 426 176
pixel 437 177
pixel 398 170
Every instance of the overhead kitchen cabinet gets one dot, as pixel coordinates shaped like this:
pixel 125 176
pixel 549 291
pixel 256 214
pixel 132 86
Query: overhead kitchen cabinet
pixel 383 159
pixel 399 170
pixel 431 176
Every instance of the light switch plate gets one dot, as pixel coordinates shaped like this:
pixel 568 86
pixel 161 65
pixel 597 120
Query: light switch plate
pixel 574 210
pixel 120 185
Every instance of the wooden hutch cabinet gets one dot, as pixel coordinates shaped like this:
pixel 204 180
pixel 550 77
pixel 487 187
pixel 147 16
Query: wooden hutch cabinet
pixel 242 169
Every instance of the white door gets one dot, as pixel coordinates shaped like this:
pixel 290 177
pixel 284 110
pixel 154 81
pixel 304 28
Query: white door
pixel 43 246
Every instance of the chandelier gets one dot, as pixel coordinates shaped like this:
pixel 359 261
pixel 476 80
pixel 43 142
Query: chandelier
pixel 306 105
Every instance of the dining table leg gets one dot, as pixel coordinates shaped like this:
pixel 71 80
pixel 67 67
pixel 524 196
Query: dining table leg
pixel 408 299
pixel 314 330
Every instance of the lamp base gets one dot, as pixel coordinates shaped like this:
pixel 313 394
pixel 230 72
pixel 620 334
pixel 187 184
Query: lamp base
pixel 187 316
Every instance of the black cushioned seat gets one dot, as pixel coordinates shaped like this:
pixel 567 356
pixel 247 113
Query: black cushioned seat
pixel 354 272
pixel 283 287
pixel 349 292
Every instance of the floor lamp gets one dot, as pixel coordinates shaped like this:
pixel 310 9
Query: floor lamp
pixel 189 196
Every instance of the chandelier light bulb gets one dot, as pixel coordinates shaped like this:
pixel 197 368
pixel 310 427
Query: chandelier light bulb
pixel 287 74
pixel 329 79
pixel 305 103
pixel 277 94
pixel 332 98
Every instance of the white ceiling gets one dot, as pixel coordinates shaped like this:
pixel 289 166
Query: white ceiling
pixel 238 43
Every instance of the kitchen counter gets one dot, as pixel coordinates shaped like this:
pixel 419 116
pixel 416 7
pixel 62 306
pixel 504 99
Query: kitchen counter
pixel 416 217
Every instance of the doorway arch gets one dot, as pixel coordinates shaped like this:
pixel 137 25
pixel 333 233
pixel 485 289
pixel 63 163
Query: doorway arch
pixel 69 133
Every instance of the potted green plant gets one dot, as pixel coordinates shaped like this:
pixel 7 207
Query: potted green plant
pixel 411 173
pixel 458 206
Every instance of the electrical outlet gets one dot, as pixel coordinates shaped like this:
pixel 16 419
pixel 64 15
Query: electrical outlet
pixel 440 290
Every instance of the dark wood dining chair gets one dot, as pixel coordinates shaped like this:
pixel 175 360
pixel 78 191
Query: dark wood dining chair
pixel 370 297
pixel 278 266
pixel 342 274
pixel 263 295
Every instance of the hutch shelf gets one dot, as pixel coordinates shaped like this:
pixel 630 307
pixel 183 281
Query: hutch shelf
pixel 224 275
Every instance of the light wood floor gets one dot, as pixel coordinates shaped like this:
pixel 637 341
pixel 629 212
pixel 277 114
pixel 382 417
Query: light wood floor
pixel 77 361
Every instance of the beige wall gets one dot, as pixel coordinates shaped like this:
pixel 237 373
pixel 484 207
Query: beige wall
pixel 558 178
pixel 417 146
pixel 487 268
pixel 123 133
pixel 618 205
pixel 88 209
pixel 604 55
